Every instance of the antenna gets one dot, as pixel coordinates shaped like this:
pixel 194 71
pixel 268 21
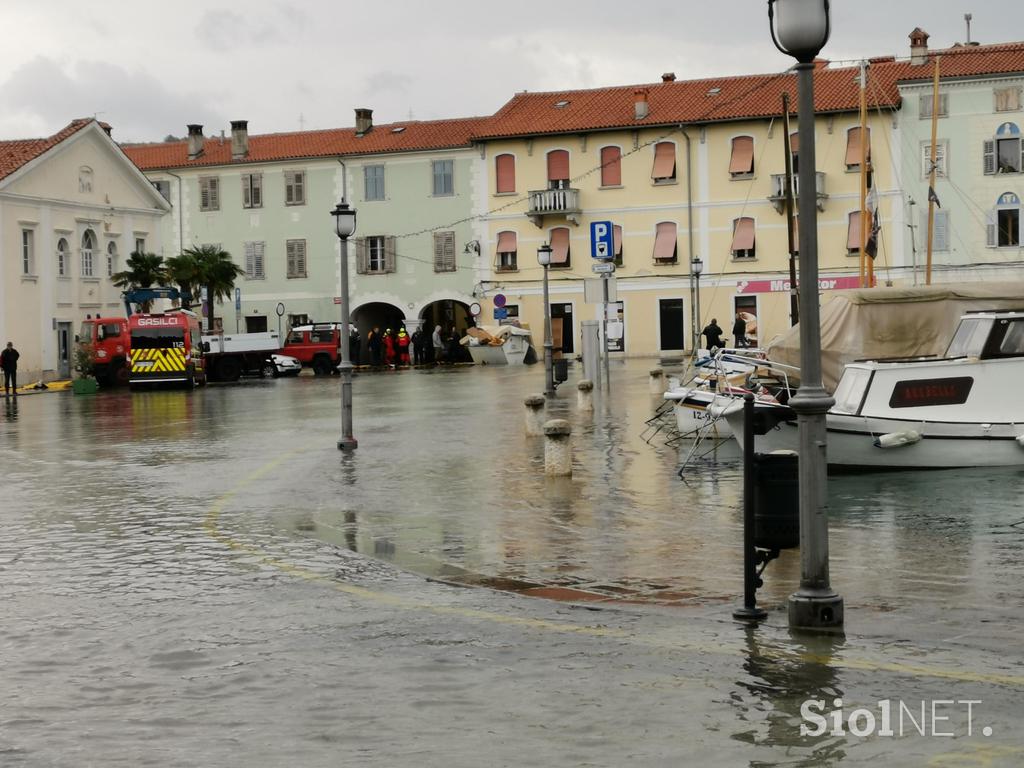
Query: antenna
pixel 967 18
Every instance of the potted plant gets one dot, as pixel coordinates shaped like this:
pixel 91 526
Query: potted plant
pixel 85 364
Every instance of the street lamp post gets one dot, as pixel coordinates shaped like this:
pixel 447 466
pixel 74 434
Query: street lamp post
pixel 696 269
pixel 345 227
pixel 800 28
pixel 544 259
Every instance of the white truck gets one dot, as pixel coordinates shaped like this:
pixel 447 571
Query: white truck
pixel 228 355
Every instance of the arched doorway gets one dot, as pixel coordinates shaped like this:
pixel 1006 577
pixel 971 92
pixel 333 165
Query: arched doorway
pixel 375 314
pixel 453 317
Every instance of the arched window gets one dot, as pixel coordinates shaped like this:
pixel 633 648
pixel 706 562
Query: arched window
pixel 1003 226
pixel 611 166
pixel 1002 153
pixel 111 258
pixel 664 169
pixel 63 268
pixel 505 173
pixel 558 169
pixel 508 247
pixel 743 238
pixel 741 163
pixel 666 246
pixel 88 246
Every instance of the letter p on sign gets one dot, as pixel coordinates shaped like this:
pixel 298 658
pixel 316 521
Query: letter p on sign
pixel 601 240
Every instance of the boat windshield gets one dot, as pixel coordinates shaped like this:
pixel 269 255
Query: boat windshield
pixel 1013 340
pixel 969 340
pixel 850 392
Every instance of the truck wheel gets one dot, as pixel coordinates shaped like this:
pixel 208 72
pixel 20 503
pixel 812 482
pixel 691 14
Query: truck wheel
pixel 229 369
pixel 121 373
pixel 321 365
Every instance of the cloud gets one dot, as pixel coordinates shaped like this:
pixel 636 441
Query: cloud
pixel 41 93
pixel 225 30
pixel 387 81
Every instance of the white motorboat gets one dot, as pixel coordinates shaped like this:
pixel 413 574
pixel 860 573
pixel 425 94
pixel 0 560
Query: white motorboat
pixel 960 410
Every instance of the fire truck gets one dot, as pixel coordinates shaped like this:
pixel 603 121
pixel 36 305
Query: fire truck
pixel 108 340
pixel 166 347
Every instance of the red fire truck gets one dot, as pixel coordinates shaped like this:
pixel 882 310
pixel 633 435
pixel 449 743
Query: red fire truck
pixel 166 347
pixel 107 339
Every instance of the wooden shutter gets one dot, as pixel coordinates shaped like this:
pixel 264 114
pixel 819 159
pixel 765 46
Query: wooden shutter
pixel 941 240
pixel 289 188
pixel 664 161
pixel 742 234
pixel 665 241
pixel 990 229
pixel 444 251
pixel 617 243
pixel 611 166
pixel 204 194
pixel 258 259
pixel 362 256
pixel 300 258
pixel 299 191
pixel 246 190
pixel 989 156
pixel 257 190
pixel 853 232
pixel 853 140
pixel 250 259
pixel 742 160
pixel 389 254
pixel 505 170
pixel 560 256
pixel 558 165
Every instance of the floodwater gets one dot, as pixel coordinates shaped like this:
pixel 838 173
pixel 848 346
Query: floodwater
pixel 197 579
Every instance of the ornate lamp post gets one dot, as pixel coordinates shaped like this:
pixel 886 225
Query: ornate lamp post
pixel 345 227
pixel 800 28
pixel 696 269
pixel 544 259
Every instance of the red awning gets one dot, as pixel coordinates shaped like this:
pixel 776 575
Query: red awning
pixel 611 166
pixel 665 241
pixel 664 160
pixel 742 155
pixel 506 242
pixel 743 234
pixel 558 165
pixel 853 234
pixel 560 246
pixel 505 170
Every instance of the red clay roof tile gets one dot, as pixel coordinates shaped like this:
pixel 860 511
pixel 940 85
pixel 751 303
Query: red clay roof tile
pixel 17 152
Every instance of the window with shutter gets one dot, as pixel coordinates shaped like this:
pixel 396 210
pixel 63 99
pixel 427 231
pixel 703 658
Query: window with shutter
pixel 853 148
pixel 741 162
pixel 989 156
pixel 617 244
pixel 373 182
pixel 558 169
pixel 743 238
pixel 505 171
pixel 376 261
pixel 390 244
pixel 444 177
pixel 362 256
pixel 254 260
pixel 940 159
pixel 926 103
pixel 444 251
pixel 209 194
pixel 940 230
pixel 507 250
pixel 1007 99
pixel 666 242
pixel 295 188
pixel 295 251
pixel 611 167
pixel 252 190
pixel 664 169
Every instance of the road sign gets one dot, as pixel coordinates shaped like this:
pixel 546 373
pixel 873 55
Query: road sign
pixel 499 300
pixel 602 240
pixel 500 313
pixel 603 267
pixel 238 298
pixel 474 309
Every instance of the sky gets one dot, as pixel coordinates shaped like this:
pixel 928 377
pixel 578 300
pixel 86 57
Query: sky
pixel 149 68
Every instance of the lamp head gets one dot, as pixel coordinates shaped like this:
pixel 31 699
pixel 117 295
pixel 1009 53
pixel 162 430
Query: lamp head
pixel 544 255
pixel 697 266
pixel 800 28
pixel 344 220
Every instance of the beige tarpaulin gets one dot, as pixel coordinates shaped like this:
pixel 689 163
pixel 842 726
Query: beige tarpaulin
pixel 892 322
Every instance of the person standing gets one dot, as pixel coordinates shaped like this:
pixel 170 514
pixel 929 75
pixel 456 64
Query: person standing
pixel 9 363
pixel 713 334
pixel 389 348
pixel 739 331
pixel 374 342
pixel 354 344
pixel 417 347
pixel 437 343
pixel 403 346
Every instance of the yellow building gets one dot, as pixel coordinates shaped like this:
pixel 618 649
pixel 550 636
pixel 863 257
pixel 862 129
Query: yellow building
pixel 683 170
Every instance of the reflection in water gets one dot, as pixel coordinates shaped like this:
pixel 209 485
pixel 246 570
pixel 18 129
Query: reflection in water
pixel 11 408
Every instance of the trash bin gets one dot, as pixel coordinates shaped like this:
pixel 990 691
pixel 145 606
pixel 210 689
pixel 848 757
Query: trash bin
pixel 776 500
pixel 561 369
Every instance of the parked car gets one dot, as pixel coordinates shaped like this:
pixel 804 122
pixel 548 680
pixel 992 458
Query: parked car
pixel 282 365
pixel 315 346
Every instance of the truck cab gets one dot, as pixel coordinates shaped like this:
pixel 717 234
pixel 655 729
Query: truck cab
pixel 109 344
pixel 166 347
pixel 315 345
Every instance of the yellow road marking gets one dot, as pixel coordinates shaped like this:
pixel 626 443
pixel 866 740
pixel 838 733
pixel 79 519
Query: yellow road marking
pixel 212 525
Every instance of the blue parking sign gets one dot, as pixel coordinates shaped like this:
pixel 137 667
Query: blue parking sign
pixel 602 244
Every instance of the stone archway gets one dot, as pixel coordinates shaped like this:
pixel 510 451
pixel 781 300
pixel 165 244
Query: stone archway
pixel 453 317
pixel 374 314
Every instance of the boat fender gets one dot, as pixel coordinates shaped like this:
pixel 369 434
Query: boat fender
pixel 896 439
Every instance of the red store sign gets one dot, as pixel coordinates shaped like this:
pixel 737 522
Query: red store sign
pixel 782 284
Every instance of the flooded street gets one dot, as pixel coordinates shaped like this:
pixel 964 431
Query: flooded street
pixel 199 579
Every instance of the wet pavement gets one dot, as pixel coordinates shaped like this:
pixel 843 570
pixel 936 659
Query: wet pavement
pixel 202 579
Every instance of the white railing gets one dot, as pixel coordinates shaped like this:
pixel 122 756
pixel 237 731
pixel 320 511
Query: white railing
pixel 554 201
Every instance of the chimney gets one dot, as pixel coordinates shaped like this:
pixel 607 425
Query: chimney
pixel 364 121
pixel 239 139
pixel 195 141
pixel 918 46
pixel 641 107
pixel 668 77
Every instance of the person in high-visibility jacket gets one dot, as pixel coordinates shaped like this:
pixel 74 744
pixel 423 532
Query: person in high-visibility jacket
pixel 403 346
pixel 389 347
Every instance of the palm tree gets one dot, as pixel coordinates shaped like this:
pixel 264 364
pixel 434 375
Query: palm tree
pixel 210 266
pixel 184 270
pixel 144 270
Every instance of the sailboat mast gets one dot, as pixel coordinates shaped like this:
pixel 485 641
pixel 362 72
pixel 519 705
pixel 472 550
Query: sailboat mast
pixel 865 269
pixel 931 173
pixel 787 148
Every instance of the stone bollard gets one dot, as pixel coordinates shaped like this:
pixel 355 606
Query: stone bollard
pixel 557 448
pixel 534 415
pixel 585 395
pixel 657 381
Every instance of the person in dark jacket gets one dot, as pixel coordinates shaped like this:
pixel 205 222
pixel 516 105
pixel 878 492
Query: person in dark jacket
pixel 9 364
pixel 375 344
pixel 355 343
pixel 739 331
pixel 418 347
pixel 713 333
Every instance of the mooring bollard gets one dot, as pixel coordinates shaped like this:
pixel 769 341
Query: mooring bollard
pixel 557 448
pixel 534 415
pixel 657 381
pixel 585 395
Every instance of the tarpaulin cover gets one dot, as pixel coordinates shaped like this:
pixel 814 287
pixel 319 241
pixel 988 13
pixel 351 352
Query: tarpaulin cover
pixel 893 322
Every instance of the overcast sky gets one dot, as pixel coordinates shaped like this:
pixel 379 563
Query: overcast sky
pixel 148 68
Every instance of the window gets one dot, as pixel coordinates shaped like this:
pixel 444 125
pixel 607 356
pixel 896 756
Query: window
pixel 1007 99
pixel 926 103
pixel 252 190
pixel 853 148
pixel 664 170
pixel 444 251
pixel 254 260
pixel 507 246
pixel 111 258
pixel 665 243
pixel 140 245
pixel 853 234
pixel 88 246
pixel 209 193
pixel 611 167
pixel 741 164
pixel 743 238
pixel 941 148
pixel 444 177
pixel 794 150
pixel 561 255
pixel 940 229
pixel 505 173
pixel 1003 226
pixel 294 321
pixel 375 255
pixel 617 244
pixel 164 188
pixel 28 252
pixel 1002 154
pixel 295 257
pixel 63 268
pixel 294 187
pixel 373 182
pixel 558 169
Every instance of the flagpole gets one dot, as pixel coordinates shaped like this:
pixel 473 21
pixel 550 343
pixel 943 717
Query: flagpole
pixel 931 174
pixel 865 281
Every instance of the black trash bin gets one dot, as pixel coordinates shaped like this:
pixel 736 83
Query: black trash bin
pixel 776 500
pixel 561 369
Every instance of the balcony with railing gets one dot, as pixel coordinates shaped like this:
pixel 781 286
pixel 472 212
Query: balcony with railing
pixel 778 195
pixel 554 202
